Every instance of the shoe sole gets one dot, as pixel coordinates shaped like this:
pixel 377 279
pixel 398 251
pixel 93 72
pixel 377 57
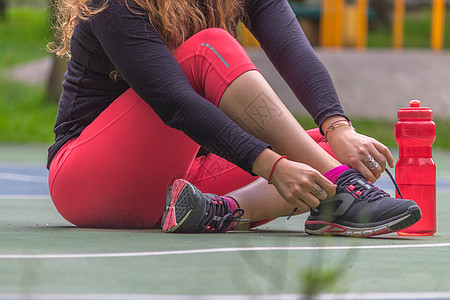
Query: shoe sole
pixel 169 220
pixel 410 217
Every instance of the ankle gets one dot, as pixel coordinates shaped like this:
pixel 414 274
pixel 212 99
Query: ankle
pixel 333 174
pixel 232 206
pixel 232 203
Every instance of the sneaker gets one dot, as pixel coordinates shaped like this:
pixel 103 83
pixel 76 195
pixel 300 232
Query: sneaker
pixel 360 209
pixel 188 210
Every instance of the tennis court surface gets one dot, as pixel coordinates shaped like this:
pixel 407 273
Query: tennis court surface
pixel 44 257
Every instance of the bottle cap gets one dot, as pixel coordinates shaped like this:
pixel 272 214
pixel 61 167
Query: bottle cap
pixel 415 111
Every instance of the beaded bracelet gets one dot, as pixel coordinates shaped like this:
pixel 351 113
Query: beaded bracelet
pixel 273 168
pixel 337 124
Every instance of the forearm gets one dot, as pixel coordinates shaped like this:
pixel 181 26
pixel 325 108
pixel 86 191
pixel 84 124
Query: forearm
pixel 335 124
pixel 265 162
pixel 275 26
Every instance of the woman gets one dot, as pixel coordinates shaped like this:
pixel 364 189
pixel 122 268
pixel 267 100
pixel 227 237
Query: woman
pixel 150 82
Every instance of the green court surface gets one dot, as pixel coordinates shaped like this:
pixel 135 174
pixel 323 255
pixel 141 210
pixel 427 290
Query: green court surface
pixel 44 257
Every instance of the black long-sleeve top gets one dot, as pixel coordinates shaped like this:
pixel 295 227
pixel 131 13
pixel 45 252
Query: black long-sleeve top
pixel 119 39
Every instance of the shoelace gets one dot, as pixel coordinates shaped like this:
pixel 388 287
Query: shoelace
pixel 372 192
pixel 365 189
pixel 395 183
pixel 217 218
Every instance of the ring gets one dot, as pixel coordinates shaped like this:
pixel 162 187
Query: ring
pixel 318 190
pixel 371 163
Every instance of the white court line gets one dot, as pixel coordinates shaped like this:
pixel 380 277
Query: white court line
pixel 27 197
pixel 348 296
pixel 212 250
pixel 22 177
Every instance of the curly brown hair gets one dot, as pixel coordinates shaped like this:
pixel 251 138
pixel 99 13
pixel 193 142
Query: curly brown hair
pixel 175 20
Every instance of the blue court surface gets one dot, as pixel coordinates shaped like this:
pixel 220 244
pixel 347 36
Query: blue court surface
pixel 44 257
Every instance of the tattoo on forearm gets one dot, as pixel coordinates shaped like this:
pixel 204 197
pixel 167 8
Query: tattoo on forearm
pixel 262 111
pixel 244 125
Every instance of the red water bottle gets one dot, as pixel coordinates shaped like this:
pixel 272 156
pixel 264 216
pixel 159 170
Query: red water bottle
pixel 415 171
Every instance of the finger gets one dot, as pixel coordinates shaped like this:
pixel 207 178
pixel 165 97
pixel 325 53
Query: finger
pixel 328 186
pixel 387 154
pixel 364 171
pixel 310 200
pixel 319 192
pixel 372 162
pixel 379 158
pixel 373 166
pixel 379 169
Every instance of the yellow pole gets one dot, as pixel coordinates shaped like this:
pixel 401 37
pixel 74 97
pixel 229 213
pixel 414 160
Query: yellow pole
pixel 325 20
pixel 339 25
pixel 331 23
pixel 399 16
pixel 437 25
pixel 361 38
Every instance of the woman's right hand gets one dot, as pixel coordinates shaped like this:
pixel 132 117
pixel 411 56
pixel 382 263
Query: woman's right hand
pixel 298 183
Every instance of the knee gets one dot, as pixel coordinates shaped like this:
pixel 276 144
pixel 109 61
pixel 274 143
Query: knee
pixel 210 35
pixel 216 39
pixel 212 59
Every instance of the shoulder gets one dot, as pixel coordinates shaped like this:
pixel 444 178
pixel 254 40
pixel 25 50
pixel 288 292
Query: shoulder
pixel 256 8
pixel 118 15
pixel 117 8
pixel 253 4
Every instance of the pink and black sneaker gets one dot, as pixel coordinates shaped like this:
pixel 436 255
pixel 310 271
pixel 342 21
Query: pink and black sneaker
pixel 360 209
pixel 189 211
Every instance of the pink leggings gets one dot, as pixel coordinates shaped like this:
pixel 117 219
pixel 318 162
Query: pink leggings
pixel 116 173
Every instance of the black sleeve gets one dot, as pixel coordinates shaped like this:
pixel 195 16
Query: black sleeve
pixel 277 29
pixel 143 60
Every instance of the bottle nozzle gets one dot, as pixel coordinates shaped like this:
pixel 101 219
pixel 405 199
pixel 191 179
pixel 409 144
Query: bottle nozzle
pixel 414 103
pixel 415 111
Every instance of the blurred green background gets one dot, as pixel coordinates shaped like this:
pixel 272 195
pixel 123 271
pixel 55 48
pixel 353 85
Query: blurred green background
pixel 28 112
pixel 25 113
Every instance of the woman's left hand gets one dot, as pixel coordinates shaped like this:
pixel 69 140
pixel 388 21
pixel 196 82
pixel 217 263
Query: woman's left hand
pixel 362 153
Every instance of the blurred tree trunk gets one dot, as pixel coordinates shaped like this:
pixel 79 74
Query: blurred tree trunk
pixel 55 79
pixel 2 9
pixel 59 67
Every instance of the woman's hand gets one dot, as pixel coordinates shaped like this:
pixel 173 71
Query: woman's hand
pixel 299 184
pixel 362 153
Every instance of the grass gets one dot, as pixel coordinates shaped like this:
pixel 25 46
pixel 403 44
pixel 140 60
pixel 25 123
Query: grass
pixel 23 35
pixel 25 115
